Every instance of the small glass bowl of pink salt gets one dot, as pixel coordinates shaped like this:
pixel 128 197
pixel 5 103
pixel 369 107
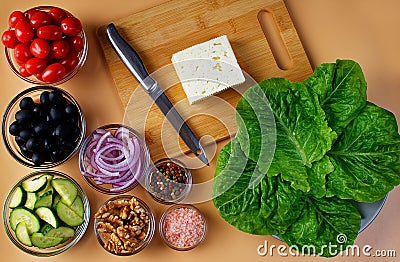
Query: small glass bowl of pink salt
pixel 182 227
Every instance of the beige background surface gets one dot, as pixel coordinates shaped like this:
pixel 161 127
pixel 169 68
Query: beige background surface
pixel 363 30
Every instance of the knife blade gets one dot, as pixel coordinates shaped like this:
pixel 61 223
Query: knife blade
pixel 134 63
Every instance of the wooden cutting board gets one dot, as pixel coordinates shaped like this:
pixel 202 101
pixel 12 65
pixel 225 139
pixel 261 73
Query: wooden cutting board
pixel 158 32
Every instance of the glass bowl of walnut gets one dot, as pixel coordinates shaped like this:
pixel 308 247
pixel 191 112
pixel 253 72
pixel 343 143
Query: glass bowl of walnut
pixel 124 225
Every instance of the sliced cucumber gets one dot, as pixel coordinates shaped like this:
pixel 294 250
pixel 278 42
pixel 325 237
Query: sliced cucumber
pixel 48 186
pixel 45 200
pixel 66 189
pixel 35 185
pixel 57 199
pixel 68 215
pixel 64 232
pixel 30 200
pixel 41 241
pixel 77 206
pixel 46 214
pixel 20 214
pixel 22 234
pixel 18 198
pixel 46 228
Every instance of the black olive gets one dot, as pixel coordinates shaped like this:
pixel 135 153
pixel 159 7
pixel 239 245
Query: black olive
pixel 67 145
pixel 42 129
pixel 50 144
pixel 57 155
pixel 20 141
pixel 56 98
pixel 14 128
pixel 33 144
pixel 25 151
pixel 63 131
pixel 38 159
pixel 56 114
pixel 38 112
pixel 44 98
pixel 25 134
pixel 71 109
pixel 26 103
pixel 24 116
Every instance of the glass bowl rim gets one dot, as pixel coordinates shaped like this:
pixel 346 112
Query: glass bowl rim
pixel 150 232
pixel 13 103
pixel 162 220
pixel 82 54
pixel 145 151
pixel 69 244
pixel 188 187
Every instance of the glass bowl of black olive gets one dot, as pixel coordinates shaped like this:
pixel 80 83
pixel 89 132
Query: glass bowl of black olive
pixel 43 126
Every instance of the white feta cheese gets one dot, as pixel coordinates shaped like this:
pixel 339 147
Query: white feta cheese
pixel 207 68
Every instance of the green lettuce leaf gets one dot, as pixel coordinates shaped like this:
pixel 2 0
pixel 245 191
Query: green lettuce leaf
pixel 341 89
pixel 302 133
pixel 269 207
pixel 366 157
pixel 324 222
pixel 317 176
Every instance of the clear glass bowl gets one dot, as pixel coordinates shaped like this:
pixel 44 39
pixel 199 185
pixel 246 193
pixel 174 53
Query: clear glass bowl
pixel 164 189
pixel 85 162
pixel 8 119
pixel 79 230
pixel 82 55
pixel 185 214
pixel 103 236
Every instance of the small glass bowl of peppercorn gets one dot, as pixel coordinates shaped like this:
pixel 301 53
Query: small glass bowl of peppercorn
pixel 43 126
pixel 168 181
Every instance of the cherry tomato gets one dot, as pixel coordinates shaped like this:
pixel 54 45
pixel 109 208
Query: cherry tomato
pixel 70 61
pixel 23 72
pixel 76 43
pixel 57 14
pixel 39 77
pixel 53 73
pixel 16 17
pixel 60 49
pixel 71 26
pixel 39 19
pixel 22 53
pixel 40 48
pixel 29 13
pixel 9 39
pixel 24 31
pixel 49 32
pixel 35 65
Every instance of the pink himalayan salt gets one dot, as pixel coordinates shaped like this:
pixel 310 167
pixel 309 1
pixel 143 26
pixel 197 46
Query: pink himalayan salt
pixel 183 227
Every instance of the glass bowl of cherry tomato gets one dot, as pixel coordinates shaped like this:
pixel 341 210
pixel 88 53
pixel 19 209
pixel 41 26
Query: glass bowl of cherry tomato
pixel 45 45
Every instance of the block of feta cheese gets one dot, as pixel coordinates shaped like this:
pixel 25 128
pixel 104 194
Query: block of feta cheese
pixel 207 68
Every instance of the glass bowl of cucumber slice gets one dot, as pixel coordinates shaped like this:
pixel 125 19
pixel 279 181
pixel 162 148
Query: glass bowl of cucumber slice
pixel 45 213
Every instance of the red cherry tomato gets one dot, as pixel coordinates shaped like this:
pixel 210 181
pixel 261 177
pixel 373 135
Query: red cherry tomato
pixel 22 53
pixel 9 39
pixel 24 31
pixel 39 77
pixel 29 13
pixel 60 49
pixel 39 19
pixel 40 48
pixel 57 14
pixel 16 17
pixel 35 65
pixel 23 72
pixel 49 32
pixel 53 73
pixel 70 61
pixel 76 43
pixel 71 26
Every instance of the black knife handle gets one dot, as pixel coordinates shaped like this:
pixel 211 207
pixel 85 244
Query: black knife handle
pixel 129 57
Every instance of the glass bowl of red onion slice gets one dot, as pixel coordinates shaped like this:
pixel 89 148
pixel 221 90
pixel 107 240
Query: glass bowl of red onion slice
pixel 113 159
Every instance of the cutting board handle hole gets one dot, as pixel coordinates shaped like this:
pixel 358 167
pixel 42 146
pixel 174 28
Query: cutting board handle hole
pixel 272 34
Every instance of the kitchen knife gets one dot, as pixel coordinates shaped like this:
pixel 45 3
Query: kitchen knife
pixel 136 66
